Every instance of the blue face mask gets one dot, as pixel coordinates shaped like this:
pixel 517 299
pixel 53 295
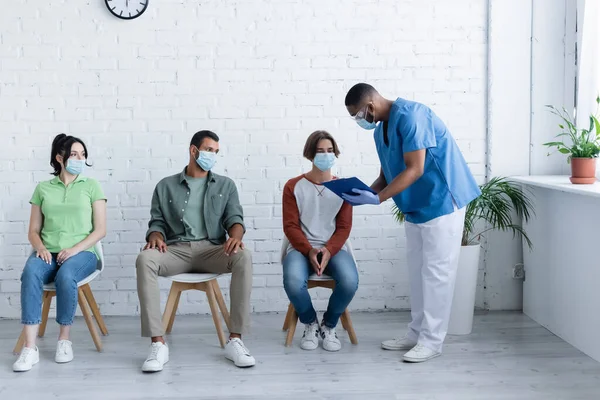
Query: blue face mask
pixel 363 123
pixel 324 161
pixel 206 160
pixel 74 166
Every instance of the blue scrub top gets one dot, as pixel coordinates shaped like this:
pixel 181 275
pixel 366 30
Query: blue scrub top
pixel 446 179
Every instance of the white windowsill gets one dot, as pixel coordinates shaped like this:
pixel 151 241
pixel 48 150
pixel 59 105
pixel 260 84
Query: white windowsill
pixel 560 183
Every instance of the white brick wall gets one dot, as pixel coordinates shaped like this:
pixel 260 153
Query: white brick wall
pixel 263 76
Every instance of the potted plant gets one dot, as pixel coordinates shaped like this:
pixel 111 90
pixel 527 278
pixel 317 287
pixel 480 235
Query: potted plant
pixel 583 148
pixel 500 201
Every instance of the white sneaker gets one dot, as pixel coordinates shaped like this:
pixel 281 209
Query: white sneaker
pixel 238 353
pixel 420 353
pixel 64 351
pixel 401 343
pixel 27 359
pixel 310 338
pixel 159 356
pixel 330 339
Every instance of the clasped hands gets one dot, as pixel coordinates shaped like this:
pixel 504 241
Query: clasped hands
pixel 319 258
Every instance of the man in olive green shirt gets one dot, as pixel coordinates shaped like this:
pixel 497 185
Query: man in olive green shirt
pixel 196 225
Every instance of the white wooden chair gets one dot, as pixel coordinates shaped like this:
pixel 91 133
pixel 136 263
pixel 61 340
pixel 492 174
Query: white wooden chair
pixel 314 280
pixel 86 302
pixel 196 281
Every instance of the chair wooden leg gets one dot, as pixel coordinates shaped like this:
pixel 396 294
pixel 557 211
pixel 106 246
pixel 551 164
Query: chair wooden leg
pixel 221 302
pixel 349 327
pixel 288 316
pixel 88 319
pixel 170 306
pixel 212 302
pixel 174 313
pixel 292 328
pixel 20 342
pixel 344 322
pixel 47 300
pixel 89 296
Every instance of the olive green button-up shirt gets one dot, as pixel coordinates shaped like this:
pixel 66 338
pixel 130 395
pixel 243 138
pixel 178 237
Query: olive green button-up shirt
pixel 221 208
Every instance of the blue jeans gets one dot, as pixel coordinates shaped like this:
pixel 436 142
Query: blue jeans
pixel 37 273
pixel 296 270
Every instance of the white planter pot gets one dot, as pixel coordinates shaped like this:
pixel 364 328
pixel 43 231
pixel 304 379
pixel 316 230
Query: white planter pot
pixel 463 303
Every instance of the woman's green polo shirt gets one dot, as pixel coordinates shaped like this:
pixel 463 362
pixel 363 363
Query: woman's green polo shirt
pixel 67 211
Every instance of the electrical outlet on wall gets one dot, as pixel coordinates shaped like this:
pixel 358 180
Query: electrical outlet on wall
pixel 519 271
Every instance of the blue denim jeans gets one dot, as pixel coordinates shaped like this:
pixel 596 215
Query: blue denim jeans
pixel 296 270
pixel 37 273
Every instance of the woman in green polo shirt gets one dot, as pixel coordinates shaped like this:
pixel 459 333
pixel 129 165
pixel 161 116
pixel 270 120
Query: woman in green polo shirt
pixel 68 217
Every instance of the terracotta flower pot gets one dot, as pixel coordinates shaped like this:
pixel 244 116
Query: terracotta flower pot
pixel 583 170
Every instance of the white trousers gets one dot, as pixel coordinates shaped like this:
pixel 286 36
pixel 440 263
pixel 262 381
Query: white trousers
pixel 433 248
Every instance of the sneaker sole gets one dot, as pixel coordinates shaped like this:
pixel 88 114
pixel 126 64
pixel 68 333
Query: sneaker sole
pixel 395 348
pixel 63 361
pixel 22 370
pixel 420 360
pixel 154 370
pixel 241 365
pixel 310 348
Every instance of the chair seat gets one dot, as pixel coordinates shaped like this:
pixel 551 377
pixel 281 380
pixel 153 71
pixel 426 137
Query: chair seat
pixel 315 277
pixel 193 277
pixel 51 287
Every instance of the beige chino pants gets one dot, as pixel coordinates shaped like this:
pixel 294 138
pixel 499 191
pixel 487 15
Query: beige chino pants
pixel 201 257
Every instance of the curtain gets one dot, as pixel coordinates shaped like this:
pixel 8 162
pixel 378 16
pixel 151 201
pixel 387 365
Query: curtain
pixel 588 60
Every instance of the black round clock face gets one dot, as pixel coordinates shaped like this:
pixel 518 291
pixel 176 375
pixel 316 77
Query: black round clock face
pixel 127 9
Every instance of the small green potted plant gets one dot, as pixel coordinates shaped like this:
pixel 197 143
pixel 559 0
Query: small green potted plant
pixel 500 201
pixel 582 148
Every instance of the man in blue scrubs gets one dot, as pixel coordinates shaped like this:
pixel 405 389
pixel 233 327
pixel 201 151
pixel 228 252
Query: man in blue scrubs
pixel 424 172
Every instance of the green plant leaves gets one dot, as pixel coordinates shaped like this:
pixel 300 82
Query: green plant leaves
pixel 584 143
pixel 500 199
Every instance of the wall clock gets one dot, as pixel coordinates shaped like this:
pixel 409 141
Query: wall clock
pixel 127 9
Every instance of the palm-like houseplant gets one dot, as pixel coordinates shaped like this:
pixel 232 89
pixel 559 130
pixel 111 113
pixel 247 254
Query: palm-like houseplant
pixel 497 206
pixel 499 199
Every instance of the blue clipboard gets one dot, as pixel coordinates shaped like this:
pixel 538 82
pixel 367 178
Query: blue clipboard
pixel 345 186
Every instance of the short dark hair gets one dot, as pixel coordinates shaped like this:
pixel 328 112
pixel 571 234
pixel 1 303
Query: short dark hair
pixel 199 137
pixel 61 145
pixel 310 148
pixel 358 93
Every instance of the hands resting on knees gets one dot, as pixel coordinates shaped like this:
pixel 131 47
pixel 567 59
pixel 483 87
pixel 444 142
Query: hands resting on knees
pixel 156 241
